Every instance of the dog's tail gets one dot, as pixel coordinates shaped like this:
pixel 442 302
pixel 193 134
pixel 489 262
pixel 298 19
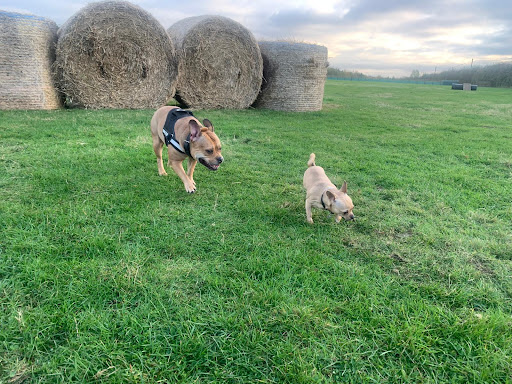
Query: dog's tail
pixel 311 162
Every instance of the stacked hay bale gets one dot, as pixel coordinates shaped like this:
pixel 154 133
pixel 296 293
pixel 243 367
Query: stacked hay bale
pixel 26 56
pixel 293 76
pixel 114 54
pixel 219 63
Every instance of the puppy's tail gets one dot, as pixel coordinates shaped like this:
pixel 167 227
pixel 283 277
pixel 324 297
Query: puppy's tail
pixel 311 162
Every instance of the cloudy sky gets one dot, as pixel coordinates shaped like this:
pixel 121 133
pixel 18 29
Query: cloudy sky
pixel 376 37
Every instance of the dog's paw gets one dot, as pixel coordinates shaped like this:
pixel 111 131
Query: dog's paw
pixel 190 188
pixel 310 221
pixel 162 173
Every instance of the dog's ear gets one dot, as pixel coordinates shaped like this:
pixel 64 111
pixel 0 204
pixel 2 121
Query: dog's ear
pixel 208 124
pixel 344 187
pixel 195 130
pixel 330 196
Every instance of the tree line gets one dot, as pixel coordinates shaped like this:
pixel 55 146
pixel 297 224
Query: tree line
pixel 495 75
pixel 344 74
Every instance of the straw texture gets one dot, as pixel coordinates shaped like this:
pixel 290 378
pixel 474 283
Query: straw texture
pixel 293 76
pixel 114 54
pixel 27 52
pixel 220 64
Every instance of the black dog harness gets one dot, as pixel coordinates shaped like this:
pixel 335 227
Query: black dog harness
pixel 170 138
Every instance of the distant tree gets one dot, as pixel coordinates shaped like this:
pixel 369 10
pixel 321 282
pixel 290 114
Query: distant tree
pixel 495 75
pixel 344 74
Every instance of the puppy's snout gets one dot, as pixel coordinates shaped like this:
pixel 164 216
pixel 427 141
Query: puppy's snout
pixel 220 159
pixel 351 216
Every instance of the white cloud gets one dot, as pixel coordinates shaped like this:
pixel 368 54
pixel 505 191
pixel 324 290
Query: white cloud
pixel 372 36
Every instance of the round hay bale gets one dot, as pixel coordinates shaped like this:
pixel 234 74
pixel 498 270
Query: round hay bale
pixel 219 63
pixel 27 52
pixel 114 54
pixel 293 76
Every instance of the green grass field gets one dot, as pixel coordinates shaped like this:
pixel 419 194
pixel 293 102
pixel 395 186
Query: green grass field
pixel 112 274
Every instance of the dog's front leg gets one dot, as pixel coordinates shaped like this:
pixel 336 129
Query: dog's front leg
pixel 190 169
pixel 157 147
pixel 308 212
pixel 178 168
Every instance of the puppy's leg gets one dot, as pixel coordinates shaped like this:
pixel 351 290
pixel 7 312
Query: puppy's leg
pixel 191 165
pixel 157 147
pixel 178 168
pixel 308 212
pixel 338 218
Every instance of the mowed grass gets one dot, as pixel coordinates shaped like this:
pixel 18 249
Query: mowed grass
pixel 112 274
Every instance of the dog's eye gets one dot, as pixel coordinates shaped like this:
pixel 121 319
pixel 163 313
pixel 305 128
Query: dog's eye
pixel 209 151
pixel 345 212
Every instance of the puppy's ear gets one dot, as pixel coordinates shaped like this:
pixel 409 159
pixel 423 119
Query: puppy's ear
pixel 195 130
pixel 344 187
pixel 330 196
pixel 208 124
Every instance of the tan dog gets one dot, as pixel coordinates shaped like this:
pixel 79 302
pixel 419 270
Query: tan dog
pixel 321 193
pixel 191 140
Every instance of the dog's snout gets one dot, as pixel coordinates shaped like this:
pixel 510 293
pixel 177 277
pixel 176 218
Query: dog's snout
pixel 351 216
pixel 220 159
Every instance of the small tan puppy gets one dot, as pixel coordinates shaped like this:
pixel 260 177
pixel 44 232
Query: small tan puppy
pixel 186 138
pixel 321 193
